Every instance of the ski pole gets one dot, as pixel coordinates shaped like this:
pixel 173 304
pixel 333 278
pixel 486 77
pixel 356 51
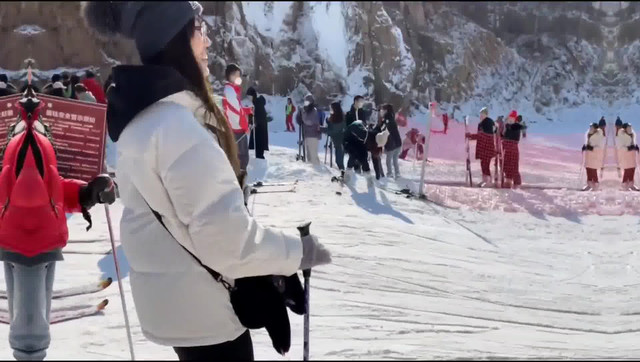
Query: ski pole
pixel 117 265
pixel 580 173
pixel 330 153
pixel 326 147
pixel 304 231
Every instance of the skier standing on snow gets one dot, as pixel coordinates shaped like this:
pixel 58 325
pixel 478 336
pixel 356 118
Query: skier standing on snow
pixel 394 143
pixel 511 162
pixel 356 113
pixel 485 146
pixel 376 141
pixel 335 130
pixel 260 137
pixel 290 110
pixel 310 118
pixel 627 150
pixel 33 226
pixel 237 115
pixel 181 186
pixel 594 156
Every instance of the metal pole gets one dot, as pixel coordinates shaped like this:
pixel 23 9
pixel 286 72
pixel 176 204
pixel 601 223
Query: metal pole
pixel 122 299
pixel 426 153
pixel 304 231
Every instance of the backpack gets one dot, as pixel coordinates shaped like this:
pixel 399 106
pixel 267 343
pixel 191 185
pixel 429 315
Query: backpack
pixel 32 215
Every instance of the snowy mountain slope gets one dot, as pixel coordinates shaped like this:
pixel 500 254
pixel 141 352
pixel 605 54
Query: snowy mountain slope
pixel 409 279
pixel 540 57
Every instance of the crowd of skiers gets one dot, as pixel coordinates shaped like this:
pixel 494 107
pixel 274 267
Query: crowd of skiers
pixel 353 133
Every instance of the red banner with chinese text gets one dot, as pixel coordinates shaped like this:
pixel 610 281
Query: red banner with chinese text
pixel 78 128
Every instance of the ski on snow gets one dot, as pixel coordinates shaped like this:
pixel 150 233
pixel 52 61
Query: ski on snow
pixel 267 184
pixel 73 291
pixel 63 315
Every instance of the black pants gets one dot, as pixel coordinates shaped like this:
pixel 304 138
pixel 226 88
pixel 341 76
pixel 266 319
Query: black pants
pixel 377 166
pixel 359 157
pixel 240 349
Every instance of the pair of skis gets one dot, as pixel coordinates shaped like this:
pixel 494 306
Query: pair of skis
pixel 257 188
pixel 65 314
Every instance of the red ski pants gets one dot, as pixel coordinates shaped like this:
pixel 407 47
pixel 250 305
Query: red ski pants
pixel 628 174
pixel 592 174
pixel 290 126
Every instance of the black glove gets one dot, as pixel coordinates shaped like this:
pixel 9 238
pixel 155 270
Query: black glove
pixel 584 147
pixel 637 148
pixel 100 190
pixel 631 148
pixel 589 148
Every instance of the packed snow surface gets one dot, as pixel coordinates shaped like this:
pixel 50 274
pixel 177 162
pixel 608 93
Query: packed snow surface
pixel 491 274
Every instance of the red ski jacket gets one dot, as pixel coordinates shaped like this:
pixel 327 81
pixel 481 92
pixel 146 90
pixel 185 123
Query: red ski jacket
pixel 33 196
pixel 96 89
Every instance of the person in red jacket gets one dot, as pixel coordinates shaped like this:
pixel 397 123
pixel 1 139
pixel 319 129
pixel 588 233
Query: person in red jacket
pixel 236 114
pixel 92 84
pixel 33 224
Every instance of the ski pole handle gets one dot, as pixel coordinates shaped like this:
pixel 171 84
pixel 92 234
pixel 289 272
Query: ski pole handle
pixel 304 231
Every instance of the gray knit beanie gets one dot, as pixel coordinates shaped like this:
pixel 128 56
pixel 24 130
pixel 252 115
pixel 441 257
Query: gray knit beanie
pixel 152 24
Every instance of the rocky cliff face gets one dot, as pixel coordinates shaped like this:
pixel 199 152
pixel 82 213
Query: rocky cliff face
pixel 540 54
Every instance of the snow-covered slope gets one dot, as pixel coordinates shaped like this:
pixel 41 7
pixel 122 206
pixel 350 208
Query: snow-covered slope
pixel 529 278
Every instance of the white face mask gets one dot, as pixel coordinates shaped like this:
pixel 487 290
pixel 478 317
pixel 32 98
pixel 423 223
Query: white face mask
pixel 331 111
pixel 511 120
pixel 238 81
pixel 306 103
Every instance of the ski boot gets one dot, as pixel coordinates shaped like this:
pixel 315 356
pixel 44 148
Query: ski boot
pixel 486 181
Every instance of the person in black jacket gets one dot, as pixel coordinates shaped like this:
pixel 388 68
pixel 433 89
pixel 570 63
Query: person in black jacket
pixel 394 143
pixel 356 112
pixel 511 160
pixel 374 148
pixel 261 140
pixel 355 144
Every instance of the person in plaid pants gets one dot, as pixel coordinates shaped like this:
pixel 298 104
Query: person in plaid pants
pixel 485 145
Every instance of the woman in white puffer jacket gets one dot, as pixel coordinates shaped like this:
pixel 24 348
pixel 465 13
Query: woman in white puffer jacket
pixel 627 150
pixel 177 156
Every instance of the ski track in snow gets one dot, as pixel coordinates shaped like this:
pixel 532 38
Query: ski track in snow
pixel 410 280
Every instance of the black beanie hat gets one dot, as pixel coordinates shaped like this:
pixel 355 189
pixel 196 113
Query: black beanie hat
pixel 152 24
